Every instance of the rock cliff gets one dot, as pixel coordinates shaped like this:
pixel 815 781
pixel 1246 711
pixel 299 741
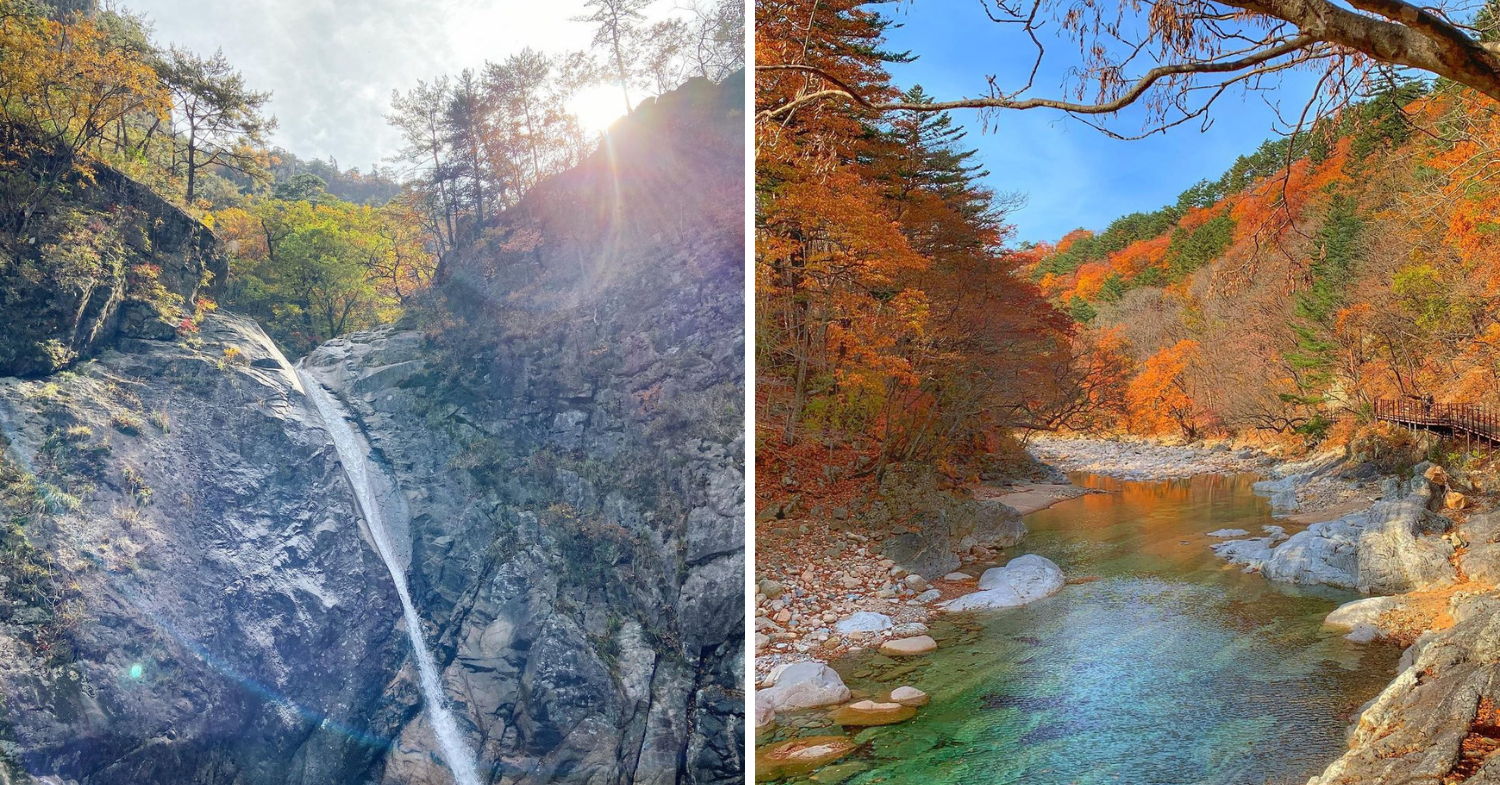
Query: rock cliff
pixel 193 599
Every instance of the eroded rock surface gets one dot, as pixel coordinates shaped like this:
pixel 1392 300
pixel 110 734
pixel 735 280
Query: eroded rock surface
pixel 1445 693
pixel 1390 548
pixel 212 596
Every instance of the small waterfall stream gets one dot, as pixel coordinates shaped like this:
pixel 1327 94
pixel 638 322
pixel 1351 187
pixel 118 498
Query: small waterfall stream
pixel 352 454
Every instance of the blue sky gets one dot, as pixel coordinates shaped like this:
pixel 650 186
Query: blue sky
pixel 1071 175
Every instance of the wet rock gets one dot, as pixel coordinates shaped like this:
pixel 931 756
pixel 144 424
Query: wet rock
pixel 906 647
pixel 1224 533
pixel 909 696
pixel 803 685
pixel 867 712
pixel 800 756
pixel 1362 617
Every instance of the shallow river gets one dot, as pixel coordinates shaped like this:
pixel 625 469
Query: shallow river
pixel 1169 669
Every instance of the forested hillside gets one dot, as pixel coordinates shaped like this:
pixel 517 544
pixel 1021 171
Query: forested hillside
pixel 894 320
pixel 88 101
pixel 1349 262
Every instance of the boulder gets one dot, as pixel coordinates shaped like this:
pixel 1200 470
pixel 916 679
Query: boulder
pixel 929 596
pixel 1226 533
pixel 915 582
pixel 803 685
pixel 959 577
pixel 867 712
pixel 1023 580
pixel 1362 617
pixel 863 621
pixel 907 647
pixel 909 696
pixel 1031 577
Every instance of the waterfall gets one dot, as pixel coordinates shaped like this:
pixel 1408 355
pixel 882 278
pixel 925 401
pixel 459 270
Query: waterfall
pixel 352 454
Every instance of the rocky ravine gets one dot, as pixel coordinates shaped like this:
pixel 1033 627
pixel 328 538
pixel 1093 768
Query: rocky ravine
pixel 189 596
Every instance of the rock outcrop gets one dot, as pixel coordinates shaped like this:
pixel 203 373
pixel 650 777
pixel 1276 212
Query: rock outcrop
pixel 104 259
pixel 199 595
pixel 1438 716
pixel 932 527
pixel 1387 549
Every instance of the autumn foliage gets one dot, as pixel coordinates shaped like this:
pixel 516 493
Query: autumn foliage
pixel 1351 262
pixel 893 322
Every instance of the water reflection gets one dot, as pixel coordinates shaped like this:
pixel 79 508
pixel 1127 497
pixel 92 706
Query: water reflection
pixel 1169 669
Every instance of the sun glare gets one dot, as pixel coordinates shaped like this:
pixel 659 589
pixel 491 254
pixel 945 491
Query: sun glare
pixel 597 107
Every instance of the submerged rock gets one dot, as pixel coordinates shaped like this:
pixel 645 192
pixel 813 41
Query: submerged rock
pixel 866 712
pixel 1362 617
pixel 799 756
pixel 907 647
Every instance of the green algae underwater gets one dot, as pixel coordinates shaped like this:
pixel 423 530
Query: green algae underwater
pixel 1171 668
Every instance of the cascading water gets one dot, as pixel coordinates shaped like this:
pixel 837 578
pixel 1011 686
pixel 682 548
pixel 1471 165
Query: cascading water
pixel 352 455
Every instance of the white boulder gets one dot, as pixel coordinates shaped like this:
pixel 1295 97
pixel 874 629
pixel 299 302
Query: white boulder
pixel 863 621
pixel 803 685
pixel 1023 580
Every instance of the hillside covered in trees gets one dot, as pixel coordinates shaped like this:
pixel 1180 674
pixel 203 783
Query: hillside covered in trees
pixel 88 101
pixel 895 322
pixel 1350 262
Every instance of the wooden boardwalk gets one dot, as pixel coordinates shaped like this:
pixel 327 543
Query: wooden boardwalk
pixel 1460 420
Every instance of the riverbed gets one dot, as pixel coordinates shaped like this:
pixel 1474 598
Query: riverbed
pixel 1165 668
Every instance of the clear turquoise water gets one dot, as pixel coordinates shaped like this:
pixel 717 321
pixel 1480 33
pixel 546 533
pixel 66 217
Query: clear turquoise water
pixel 1168 670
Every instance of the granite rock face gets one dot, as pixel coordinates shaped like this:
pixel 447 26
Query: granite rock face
pixel 204 606
pixel 560 431
pixel 1414 731
pixel 1390 548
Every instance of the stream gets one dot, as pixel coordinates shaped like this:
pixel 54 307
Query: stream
pixel 1169 669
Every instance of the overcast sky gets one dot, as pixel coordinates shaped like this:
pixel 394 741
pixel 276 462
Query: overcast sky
pixel 332 64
